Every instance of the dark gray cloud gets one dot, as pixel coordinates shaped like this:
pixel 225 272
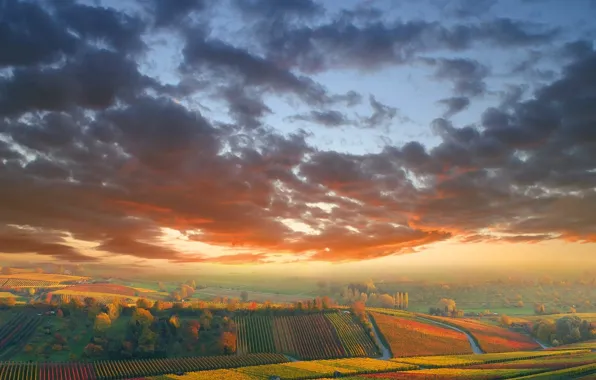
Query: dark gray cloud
pixel 280 9
pixel 467 75
pixel 228 61
pixel 30 35
pixel 95 79
pixel 168 13
pixel 331 118
pixel 381 116
pixel 454 105
pixel 92 24
pixel 343 43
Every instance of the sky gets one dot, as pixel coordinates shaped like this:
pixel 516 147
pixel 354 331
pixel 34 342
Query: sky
pixel 300 134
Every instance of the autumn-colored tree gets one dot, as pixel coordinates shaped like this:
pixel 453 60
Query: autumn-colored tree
pixel 143 303
pixel 92 350
pixel 159 305
pixel 505 320
pixel 90 302
pixel 447 304
pixel 228 342
pixel 232 304
pixel 252 306
pixel 102 322
pixel 193 328
pixel 174 321
pixel 386 301
pixel 113 311
pixel 175 296
pixel 358 308
pixel 143 316
pixel 539 309
pixel 31 292
pixel 327 302
pixel 8 302
pixel 406 301
pixel 60 313
pixel 192 284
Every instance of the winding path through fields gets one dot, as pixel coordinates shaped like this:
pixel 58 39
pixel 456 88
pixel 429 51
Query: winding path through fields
pixel 475 348
pixel 386 354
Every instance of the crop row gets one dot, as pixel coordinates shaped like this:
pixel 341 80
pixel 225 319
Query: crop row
pixel 408 337
pixel 121 369
pixel 491 339
pixel 308 337
pixel 353 337
pixel 15 333
pixel 21 283
pixel 255 335
pixel 299 370
pixel 468 360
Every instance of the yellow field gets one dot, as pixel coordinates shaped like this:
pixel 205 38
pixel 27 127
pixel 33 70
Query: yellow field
pixel 42 277
pixel 98 295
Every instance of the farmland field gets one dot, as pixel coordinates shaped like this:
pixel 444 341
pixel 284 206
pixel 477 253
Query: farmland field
pixel 313 336
pixel 298 370
pixel 122 369
pixel 408 337
pixel 492 338
pixel 558 362
pixel 56 278
pixel 441 361
pixel 15 332
pixel 453 373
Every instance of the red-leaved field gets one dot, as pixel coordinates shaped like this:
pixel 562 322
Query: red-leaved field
pixel 407 337
pixel 494 338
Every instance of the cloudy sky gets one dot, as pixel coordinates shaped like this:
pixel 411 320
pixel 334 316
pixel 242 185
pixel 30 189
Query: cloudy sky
pixel 197 132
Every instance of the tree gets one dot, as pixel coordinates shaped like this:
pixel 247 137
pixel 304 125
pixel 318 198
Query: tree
pixel 505 320
pixel 7 302
pixel 386 301
pixel 448 305
pixel 142 316
pixel 406 301
pixel 358 308
pixel 539 309
pixel 174 321
pixel 92 350
pixel 60 313
pixel 161 286
pixel 31 292
pixel 102 322
pixel 244 296
pixel 192 284
pixel 228 342
pixel 144 303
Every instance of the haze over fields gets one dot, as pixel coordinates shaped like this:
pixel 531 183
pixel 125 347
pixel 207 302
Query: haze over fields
pixel 298 137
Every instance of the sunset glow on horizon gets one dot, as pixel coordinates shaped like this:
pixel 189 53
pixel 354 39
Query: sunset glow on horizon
pixel 308 135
